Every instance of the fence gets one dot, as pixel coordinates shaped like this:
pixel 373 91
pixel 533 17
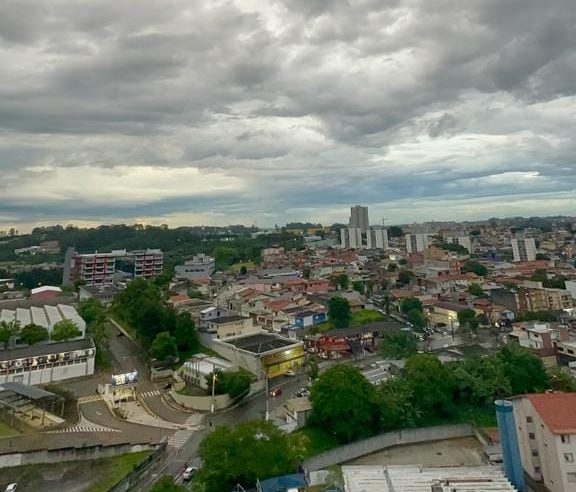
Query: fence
pixel 357 449
pixel 133 477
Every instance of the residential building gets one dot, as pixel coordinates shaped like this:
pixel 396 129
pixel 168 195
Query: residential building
pixel 102 293
pixel 200 266
pixel 543 299
pixel 417 243
pixel 100 268
pixel 351 238
pixel 359 218
pixel 377 238
pixel 463 241
pixel 196 369
pixel 571 287
pixel 524 249
pixel 546 432
pixel 231 326
pixel 45 292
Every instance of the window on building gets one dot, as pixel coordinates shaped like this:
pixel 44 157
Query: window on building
pixel 571 477
pixel 568 457
pixel 529 420
pixel 537 470
pixel 535 453
pixel 565 438
pixel 532 436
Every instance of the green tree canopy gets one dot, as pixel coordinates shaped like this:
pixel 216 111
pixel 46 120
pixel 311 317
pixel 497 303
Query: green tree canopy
pixel 475 267
pixel 167 484
pixel 8 330
pixel 245 453
pixel 525 371
pixel 480 381
pixel 32 334
pixel 476 290
pixel 233 383
pixel 405 277
pixel 340 281
pixel 410 304
pixel 164 347
pixel 65 330
pixel 432 383
pixel 344 401
pixel 395 398
pixel 395 231
pixel 467 319
pixel 416 319
pixel 358 286
pixel 339 312
pixel 92 311
pixel 185 332
pixel 397 344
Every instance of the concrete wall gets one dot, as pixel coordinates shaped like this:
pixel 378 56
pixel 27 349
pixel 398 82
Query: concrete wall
pixel 49 375
pixel 237 357
pixel 201 403
pixel 383 441
pixel 70 454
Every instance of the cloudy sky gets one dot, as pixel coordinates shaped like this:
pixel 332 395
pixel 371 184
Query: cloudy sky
pixel 216 112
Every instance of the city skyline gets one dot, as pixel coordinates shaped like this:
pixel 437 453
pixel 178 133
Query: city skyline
pixel 239 112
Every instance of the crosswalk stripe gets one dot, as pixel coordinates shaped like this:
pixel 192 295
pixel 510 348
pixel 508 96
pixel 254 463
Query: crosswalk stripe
pixel 148 394
pixel 84 425
pixel 179 438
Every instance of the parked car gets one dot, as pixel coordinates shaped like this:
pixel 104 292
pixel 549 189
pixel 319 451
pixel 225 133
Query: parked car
pixel 276 392
pixel 290 372
pixel 189 473
pixel 167 386
pixel 11 488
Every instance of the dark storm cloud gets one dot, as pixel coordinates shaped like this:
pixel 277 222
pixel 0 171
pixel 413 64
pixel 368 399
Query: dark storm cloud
pixel 284 104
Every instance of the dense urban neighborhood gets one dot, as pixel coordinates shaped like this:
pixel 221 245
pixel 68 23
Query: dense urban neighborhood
pixel 305 357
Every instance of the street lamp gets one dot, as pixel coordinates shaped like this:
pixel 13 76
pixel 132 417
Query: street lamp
pixel 266 395
pixel 213 391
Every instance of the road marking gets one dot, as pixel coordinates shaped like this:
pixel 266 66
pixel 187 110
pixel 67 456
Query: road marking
pixel 179 438
pixel 84 425
pixel 151 393
pixel 89 399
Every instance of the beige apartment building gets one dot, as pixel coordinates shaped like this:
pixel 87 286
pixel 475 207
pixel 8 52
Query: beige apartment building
pixel 546 429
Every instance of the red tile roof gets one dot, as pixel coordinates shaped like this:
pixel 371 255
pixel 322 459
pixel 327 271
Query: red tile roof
pixel 557 410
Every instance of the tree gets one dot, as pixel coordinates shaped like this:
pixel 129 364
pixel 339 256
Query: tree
pixel 410 304
pixel 65 330
pixel 312 368
pixel 92 311
pixel 245 453
pixel 432 383
pixel 525 371
pixel 8 330
pixel 167 484
pixel 467 318
pixel 164 347
pixel 32 334
pixel 345 402
pixel 339 312
pixel 475 267
pixel 416 319
pixel 395 398
pixel 392 267
pixel 476 290
pixel 398 344
pixel 395 231
pixel 358 286
pixel 243 270
pixel 405 277
pixel 235 383
pixel 341 282
pixel 455 248
pixel 542 256
pixel 480 381
pixel 561 380
pixel 185 332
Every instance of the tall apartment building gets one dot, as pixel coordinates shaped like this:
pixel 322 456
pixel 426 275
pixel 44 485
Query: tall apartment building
pixel 524 249
pixel 359 218
pixel 463 241
pixel 546 432
pixel 377 238
pixel 416 243
pixel 543 299
pixel 351 238
pixel 100 268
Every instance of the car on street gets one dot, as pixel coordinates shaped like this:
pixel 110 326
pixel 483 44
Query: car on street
pixel 290 372
pixel 276 392
pixel 11 487
pixel 189 473
pixel 167 386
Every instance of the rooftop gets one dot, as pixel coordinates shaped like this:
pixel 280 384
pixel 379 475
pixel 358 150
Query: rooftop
pixel 261 343
pixel 46 349
pixel 556 410
pixel 228 319
pixel 419 479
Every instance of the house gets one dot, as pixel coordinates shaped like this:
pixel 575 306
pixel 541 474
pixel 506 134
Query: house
pixel 103 293
pixel 45 292
pixel 231 326
pixel 195 369
pixel 297 411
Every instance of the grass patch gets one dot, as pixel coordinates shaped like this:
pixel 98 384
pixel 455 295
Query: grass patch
pixel 318 440
pixel 116 469
pixel 360 318
pixel 237 266
pixel 6 430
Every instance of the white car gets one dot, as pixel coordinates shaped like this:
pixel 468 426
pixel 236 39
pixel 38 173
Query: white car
pixel 189 473
pixel 11 488
pixel 290 372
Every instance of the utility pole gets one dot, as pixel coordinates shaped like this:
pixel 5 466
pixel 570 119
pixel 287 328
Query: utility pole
pixel 267 415
pixel 213 391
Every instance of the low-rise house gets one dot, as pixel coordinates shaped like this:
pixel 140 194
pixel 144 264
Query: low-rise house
pixel 231 326
pixel 195 369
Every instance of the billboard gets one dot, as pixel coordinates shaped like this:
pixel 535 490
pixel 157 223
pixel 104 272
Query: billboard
pixel 126 378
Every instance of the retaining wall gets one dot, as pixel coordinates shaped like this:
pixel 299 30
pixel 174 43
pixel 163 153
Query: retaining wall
pixel 377 443
pixel 201 403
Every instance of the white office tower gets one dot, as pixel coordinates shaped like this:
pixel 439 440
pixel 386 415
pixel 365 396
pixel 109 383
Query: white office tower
pixel 416 243
pixel 463 241
pixel 377 238
pixel 359 218
pixel 524 249
pixel 351 238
